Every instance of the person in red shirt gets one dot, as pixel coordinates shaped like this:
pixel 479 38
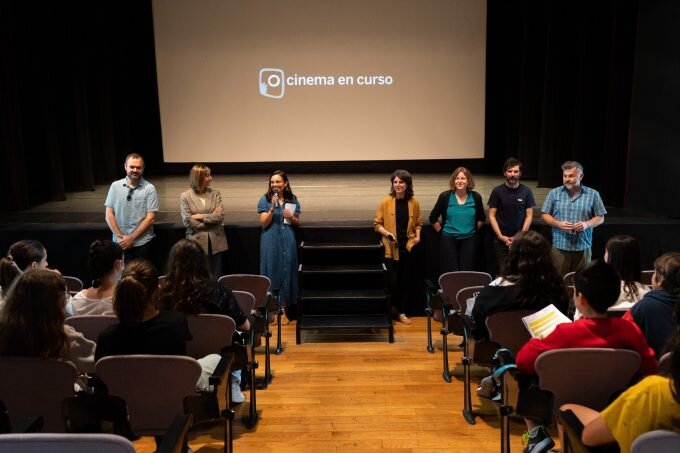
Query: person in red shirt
pixel 597 288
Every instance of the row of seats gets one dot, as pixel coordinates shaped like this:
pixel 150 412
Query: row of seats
pixel 561 372
pixel 155 388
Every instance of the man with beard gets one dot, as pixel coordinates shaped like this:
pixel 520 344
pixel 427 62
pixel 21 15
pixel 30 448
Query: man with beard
pixel 131 207
pixel 572 210
pixel 510 210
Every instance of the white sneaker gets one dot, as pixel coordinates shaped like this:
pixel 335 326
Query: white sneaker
pixel 237 395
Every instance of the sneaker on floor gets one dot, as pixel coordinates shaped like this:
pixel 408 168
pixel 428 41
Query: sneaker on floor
pixel 537 440
pixel 403 319
pixel 487 388
pixel 237 395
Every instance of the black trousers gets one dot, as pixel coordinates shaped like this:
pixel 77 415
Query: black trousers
pixel 400 280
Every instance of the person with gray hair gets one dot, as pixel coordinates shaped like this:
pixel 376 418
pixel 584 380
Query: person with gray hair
pixel 572 210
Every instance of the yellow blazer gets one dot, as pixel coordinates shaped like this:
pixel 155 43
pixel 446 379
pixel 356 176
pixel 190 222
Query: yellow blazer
pixel 386 217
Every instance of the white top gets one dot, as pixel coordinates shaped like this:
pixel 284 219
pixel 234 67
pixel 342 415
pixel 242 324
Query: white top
pixel 625 301
pixel 81 305
pixel 500 281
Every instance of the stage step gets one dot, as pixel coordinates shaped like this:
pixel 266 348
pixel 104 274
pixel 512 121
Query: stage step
pixel 345 322
pixel 342 286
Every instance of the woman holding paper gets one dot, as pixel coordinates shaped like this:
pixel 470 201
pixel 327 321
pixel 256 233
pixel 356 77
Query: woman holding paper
pixel 279 211
pixel 202 215
pixel 530 282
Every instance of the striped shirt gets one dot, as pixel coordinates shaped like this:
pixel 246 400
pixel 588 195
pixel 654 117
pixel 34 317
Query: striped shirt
pixel 584 206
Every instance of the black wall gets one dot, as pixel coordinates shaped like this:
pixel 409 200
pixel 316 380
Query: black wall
pixel 79 91
pixel 654 161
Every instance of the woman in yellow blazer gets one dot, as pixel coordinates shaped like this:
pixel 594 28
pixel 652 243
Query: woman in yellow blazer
pixel 203 215
pixel 399 221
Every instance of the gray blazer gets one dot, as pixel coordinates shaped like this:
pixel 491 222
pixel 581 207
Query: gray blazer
pixel 210 226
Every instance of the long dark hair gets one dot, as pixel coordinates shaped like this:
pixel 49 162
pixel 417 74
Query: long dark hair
pixel 19 257
pixel 135 291
pixel 32 322
pixel 287 195
pixel 530 267
pixel 623 254
pixel 186 284
pixel 102 258
pixel 407 178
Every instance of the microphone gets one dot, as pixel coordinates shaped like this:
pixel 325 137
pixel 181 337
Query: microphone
pixel 276 194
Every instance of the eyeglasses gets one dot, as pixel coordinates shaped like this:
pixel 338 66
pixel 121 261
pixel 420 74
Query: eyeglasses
pixel 129 197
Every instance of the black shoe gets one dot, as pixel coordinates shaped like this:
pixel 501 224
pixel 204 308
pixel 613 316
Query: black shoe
pixel 538 441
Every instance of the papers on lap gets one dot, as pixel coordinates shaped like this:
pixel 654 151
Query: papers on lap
pixel 543 322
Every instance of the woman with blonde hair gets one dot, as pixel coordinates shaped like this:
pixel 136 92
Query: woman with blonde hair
pixel 203 215
pixel 461 210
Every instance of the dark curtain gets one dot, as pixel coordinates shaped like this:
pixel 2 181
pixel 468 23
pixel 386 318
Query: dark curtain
pixel 559 81
pixel 79 93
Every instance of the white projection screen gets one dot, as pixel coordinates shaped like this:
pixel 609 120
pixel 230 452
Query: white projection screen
pixel 320 80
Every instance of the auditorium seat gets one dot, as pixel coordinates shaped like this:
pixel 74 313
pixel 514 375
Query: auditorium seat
pixel 260 287
pixel 450 284
pixel 32 387
pixel 211 334
pixel 91 325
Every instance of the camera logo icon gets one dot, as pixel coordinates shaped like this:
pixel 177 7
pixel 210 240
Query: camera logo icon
pixel 272 83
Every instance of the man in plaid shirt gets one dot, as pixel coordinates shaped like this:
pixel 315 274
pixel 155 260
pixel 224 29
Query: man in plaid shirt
pixel 572 210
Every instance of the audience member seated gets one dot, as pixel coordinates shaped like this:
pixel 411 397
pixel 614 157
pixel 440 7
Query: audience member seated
pixel 189 288
pixel 32 323
pixel 530 282
pixel 597 288
pixel 142 327
pixel 623 253
pixel 653 403
pixel 21 256
pixel 654 312
pixel 106 266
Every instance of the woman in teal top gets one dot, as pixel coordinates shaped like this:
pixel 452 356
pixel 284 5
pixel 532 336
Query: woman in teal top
pixel 462 213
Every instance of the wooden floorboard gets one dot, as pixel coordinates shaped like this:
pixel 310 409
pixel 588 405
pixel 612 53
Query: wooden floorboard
pixel 364 394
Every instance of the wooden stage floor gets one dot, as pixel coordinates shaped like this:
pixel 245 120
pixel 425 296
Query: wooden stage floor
pixel 337 199
pixel 359 393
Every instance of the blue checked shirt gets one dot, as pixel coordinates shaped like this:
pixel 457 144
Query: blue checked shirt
pixel 584 206
pixel 131 213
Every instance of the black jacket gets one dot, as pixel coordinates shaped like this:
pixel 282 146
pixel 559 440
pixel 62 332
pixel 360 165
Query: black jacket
pixel 443 203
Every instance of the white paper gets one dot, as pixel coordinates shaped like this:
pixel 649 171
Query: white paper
pixel 543 322
pixel 290 207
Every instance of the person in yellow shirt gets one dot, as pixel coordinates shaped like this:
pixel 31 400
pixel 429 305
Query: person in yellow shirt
pixel 651 404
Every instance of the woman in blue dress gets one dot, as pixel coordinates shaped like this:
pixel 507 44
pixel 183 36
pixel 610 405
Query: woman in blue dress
pixel 279 212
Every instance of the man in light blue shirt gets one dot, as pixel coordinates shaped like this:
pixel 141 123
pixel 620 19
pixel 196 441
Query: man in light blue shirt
pixel 572 210
pixel 131 207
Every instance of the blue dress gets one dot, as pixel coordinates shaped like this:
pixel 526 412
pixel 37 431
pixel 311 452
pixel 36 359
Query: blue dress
pixel 278 253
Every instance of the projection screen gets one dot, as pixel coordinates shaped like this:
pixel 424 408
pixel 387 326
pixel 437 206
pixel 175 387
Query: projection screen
pixel 320 80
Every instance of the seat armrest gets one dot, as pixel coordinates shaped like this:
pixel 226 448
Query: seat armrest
pixel 222 368
pixel 29 425
pixel 431 287
pixel 174 440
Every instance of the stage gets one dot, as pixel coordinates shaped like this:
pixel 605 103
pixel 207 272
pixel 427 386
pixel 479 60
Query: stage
pixel 334 207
